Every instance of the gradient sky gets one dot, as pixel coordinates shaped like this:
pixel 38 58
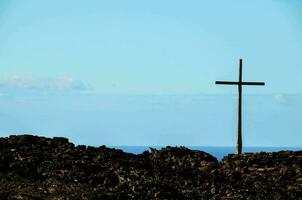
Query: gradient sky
pixel 76 69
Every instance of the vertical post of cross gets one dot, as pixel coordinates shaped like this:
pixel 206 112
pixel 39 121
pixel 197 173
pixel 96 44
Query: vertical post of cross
pixel 239 133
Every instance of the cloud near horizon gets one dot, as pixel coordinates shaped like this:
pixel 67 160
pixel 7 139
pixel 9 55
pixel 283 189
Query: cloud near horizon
pixel 279 98
pixel 45 85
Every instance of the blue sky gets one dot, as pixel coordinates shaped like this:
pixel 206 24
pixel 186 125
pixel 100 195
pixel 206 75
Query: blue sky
pixel 74 68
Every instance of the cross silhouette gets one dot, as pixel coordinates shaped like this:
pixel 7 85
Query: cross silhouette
pixel 240 83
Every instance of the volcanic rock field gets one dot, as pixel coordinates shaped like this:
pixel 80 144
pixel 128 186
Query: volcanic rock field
pixel 34 168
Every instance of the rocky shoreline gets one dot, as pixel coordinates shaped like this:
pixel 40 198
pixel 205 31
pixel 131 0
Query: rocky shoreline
pixel 34 168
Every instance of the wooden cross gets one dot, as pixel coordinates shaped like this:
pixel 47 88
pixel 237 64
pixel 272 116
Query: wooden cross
pixel 240 84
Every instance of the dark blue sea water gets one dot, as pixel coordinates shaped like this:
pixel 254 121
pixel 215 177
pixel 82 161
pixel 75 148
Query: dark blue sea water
pixel 218 152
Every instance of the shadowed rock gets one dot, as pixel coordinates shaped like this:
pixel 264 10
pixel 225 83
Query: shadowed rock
pixel 33 167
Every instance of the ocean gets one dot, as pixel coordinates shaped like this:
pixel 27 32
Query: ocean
pixel 218 152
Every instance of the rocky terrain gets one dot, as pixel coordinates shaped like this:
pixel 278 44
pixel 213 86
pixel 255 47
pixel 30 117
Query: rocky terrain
pixel 33 168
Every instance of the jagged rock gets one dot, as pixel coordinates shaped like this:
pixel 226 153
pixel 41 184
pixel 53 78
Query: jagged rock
pixel 33 167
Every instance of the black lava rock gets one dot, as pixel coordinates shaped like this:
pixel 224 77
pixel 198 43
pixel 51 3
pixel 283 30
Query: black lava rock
pixel 33 167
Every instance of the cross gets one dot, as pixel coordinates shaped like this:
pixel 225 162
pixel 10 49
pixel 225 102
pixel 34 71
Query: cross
pixel 240 84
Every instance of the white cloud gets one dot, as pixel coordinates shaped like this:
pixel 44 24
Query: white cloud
pixel 279 98
pixel 25 83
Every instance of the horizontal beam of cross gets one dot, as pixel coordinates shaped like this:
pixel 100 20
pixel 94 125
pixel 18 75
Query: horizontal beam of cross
pixel 239 83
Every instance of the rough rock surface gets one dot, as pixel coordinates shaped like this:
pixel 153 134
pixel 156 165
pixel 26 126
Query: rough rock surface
pixel 33 167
